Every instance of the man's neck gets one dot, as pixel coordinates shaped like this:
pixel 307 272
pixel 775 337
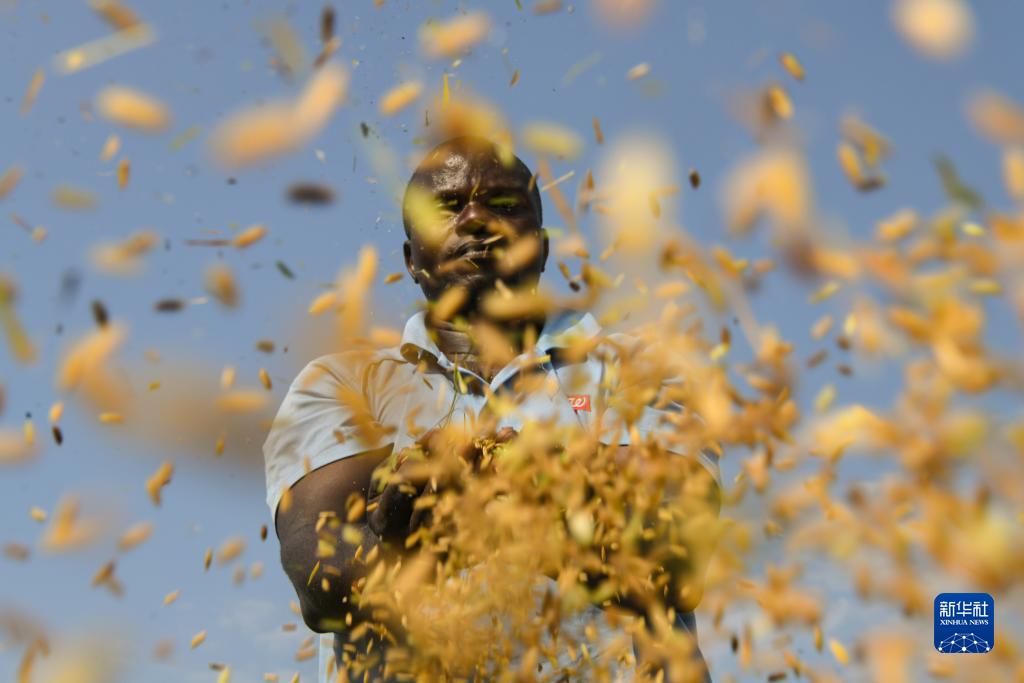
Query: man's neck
pixel 458 345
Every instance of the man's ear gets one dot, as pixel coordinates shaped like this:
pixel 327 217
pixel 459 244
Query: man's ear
pixel 544 235
pixel 407 251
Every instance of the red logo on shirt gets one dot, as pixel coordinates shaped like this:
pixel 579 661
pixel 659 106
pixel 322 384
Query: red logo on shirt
pixel 580 402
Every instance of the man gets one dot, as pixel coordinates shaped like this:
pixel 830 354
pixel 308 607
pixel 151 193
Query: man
pixel 473 217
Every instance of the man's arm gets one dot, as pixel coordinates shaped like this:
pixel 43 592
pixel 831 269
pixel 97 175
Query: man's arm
pixel 681 544
pixel 324 583
pixel 325 596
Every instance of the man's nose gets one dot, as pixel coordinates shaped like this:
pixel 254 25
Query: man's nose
pixel 473 219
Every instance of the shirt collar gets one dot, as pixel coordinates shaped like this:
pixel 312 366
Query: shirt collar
pixel 560 329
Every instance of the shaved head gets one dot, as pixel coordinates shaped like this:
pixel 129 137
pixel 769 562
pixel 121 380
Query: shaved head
pixel 469 202
pixel 446 162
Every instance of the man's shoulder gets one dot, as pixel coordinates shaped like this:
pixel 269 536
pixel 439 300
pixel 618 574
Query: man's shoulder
pixel 640 349
pixel 357 357
pixel 353 365
pixel 617 346
pixel 624 340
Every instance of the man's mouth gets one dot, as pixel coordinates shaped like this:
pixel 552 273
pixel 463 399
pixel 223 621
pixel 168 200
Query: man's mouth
pixel 477 255
pixel 478 251
pixel 471 256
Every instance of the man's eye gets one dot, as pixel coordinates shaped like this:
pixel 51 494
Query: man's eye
pixel 448 206
pixel 507 204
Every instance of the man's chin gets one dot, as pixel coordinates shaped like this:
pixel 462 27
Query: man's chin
pixel 478 285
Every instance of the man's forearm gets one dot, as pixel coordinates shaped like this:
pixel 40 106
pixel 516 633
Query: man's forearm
pixel 324 569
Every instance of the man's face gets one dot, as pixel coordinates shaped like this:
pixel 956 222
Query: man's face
pixel 483 209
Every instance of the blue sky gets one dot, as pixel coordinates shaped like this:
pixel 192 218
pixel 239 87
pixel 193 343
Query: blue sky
pixel 210 59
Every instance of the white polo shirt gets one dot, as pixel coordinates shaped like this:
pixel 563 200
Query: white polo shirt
pixel 395 390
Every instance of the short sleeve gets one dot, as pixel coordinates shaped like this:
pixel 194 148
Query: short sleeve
pixel 329 413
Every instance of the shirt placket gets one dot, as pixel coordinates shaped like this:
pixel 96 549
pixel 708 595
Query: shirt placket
pixel 461 379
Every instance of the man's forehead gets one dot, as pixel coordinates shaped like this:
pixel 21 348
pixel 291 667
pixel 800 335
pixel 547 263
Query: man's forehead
pixel 457 169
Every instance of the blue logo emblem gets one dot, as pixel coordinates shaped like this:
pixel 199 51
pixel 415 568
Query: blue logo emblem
pixel 964 623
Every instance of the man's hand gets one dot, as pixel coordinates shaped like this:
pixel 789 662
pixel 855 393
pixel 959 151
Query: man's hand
pixel 482 459
pixel 395 516
pixel 392 519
